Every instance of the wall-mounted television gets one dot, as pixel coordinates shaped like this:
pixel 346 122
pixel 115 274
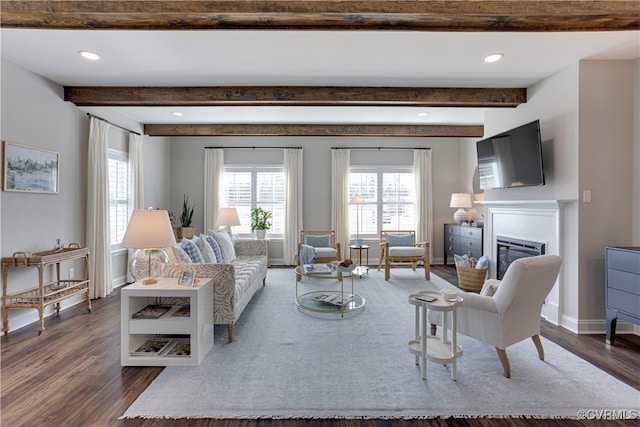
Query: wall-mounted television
pixel 512 158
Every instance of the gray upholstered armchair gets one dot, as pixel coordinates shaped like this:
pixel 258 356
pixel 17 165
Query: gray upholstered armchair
pixel 508 311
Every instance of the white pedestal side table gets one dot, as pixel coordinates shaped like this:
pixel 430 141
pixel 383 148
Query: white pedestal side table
pixel 433 348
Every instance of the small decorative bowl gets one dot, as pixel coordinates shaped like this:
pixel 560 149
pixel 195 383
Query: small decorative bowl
pixel 348 269
pixel 449 294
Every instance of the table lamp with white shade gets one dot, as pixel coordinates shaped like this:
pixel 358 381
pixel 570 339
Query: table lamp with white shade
pixel 358 200
pixel 228 217
pixel 460 201
pixel 149 231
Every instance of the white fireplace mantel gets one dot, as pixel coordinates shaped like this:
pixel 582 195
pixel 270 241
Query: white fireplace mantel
pixel 535 220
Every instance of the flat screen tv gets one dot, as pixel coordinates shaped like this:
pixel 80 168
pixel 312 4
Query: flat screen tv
pixel 512 158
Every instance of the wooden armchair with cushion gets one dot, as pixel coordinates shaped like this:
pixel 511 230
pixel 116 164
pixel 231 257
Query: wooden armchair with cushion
pixel 400 246
pixel 317 246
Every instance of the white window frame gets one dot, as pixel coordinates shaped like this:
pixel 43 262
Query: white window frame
pixel 122 157
pixel 254 170
pixel 379 199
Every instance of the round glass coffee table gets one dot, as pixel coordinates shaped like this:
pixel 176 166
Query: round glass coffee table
pixel 330 301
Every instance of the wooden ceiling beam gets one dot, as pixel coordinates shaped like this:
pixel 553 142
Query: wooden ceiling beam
pixel 313 130
pixel 319 15
pixel 103 96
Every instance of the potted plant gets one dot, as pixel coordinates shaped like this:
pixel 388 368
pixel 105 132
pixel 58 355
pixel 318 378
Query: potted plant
pixel 186 231
pixel 260 221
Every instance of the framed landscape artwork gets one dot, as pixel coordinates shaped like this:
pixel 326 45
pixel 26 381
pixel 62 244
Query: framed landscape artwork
pixel 30 169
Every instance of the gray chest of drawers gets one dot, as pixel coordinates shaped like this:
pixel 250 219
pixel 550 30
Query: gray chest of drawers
pixel 461 239
pixel 623 287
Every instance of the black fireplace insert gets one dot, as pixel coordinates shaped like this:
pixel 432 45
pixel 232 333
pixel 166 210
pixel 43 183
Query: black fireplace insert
pixel 510 249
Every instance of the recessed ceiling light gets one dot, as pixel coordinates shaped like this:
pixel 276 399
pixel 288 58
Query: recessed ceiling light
pixel 89 55
pixel 423 114
pixel 177 114
pixel 493 57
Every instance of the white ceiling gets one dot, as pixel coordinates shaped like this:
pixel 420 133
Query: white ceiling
pixel 310 58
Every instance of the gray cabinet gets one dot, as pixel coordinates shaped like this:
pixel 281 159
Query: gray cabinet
pixel 462 239
pixel 623 287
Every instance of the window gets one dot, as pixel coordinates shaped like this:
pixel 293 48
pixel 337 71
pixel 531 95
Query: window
pixel 118 195
pixel 390 194
pixel 247 187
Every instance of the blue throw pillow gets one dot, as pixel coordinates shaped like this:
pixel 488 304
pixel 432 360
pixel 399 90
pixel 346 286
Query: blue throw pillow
pixel 192 250
pixel 318 241
pixel 181 254
pixel 214 245
pixel 483 263
pixel 462 260
pixel 400 239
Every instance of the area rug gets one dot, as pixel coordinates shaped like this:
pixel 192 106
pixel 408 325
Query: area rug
pixel 285 363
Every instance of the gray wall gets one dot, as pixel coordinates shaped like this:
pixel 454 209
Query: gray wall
pixel 187 167
pixel 33 112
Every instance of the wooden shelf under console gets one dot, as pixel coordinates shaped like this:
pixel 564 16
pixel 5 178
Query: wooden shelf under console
pixel 45 293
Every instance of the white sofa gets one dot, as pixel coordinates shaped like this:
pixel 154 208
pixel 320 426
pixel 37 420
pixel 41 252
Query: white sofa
pixel 234 284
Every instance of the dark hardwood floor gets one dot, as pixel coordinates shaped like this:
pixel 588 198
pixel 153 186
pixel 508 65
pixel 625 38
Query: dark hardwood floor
pixel 71 375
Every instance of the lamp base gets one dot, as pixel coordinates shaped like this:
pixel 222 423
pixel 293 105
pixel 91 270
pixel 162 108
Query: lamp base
pixel 460 216
pixel 146 265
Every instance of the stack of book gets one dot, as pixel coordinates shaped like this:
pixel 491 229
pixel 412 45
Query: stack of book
pixel 170 347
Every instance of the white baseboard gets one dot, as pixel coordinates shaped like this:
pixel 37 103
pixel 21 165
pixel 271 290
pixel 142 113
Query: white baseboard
pixel 19 318
pixel 597 326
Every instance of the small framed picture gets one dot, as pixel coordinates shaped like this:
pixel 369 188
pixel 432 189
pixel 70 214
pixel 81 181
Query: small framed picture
pixel 187 278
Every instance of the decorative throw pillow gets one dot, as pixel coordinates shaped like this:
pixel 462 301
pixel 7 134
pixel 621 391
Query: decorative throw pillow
pixel 226 245
pixel 205 248
pixel 318 241
pixel 462 260
pixel 192 250
pixel 181 255
pixel 490 287
pixel 214 245
pixel 227 230
pixel 400 239
pixel 483 263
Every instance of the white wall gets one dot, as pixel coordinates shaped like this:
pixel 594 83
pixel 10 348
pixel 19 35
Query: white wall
pixel 187 167
pixel 33 112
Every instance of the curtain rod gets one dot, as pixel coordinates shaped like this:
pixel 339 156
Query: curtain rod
pixel 112 124
pixel 382 148
pixel 254 148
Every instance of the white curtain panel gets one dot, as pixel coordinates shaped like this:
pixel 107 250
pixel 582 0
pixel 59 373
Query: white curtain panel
pixel 213 175
pixel 98 227
pixel 136 183
pixel 424 195
pixel 293 203
pixel 136 177
pixel 340 158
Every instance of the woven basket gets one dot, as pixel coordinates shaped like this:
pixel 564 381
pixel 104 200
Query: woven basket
pixel 471 278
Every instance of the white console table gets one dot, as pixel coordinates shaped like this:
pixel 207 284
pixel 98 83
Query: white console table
pixel 197 328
